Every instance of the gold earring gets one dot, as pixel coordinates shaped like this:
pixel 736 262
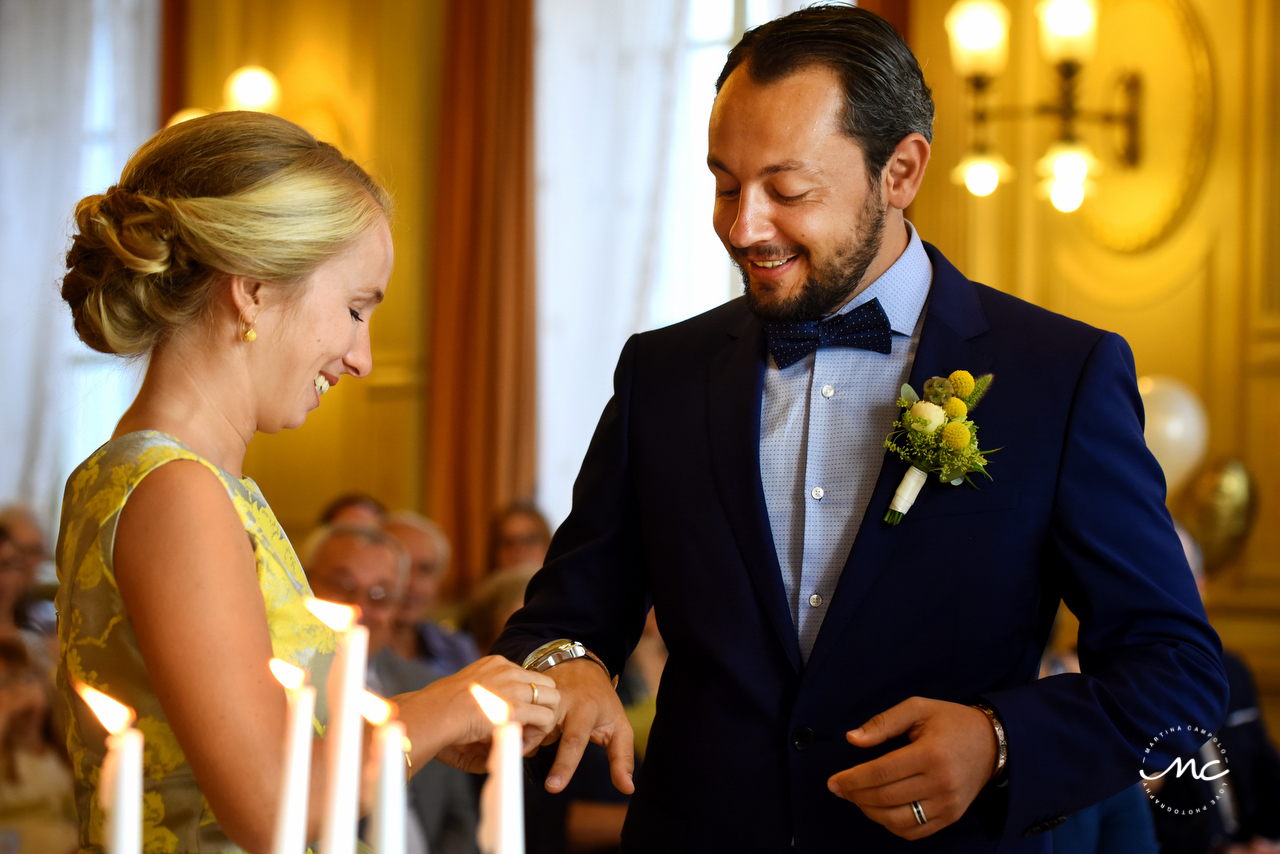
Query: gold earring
pixel 247 333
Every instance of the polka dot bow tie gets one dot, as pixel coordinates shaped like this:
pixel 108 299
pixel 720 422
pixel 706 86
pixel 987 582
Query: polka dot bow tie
pixel 865 327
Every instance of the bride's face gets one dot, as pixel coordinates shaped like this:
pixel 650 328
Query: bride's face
pixel 308 344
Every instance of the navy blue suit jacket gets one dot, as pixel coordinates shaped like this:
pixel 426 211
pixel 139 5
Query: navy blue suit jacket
pixel 955 603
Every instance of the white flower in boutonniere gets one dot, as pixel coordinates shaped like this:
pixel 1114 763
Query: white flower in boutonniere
pixel 936 435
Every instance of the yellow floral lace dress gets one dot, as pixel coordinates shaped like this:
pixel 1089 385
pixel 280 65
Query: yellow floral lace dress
pixel 98 646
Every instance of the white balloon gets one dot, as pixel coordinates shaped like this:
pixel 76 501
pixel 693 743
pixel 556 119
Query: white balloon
pixel 1177 427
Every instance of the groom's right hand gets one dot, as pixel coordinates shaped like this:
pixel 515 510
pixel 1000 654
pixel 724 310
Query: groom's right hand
pixel 590 711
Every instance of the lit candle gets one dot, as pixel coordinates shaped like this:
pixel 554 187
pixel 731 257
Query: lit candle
pixel 387 823
pixel 501 828
pixel 346 730
pixel 291 818
pixel 120 780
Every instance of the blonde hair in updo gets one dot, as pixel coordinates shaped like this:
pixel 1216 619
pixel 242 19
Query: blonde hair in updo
pixel 235 193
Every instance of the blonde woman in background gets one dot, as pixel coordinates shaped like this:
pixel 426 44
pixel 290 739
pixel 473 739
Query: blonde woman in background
pixel 244 259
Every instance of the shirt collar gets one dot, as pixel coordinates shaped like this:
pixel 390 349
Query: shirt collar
pixel 903 288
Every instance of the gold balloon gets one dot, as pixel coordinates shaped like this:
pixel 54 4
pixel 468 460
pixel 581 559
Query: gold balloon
pixel 1218 508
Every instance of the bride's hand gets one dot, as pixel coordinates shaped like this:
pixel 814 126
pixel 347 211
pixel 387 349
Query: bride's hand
pixel 456 722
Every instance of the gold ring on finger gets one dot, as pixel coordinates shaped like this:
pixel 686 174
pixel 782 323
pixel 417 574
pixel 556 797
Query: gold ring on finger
pixel 535 693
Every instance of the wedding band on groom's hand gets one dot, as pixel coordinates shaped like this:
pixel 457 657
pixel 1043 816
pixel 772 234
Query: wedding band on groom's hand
pixel 534 701
pixel 919 811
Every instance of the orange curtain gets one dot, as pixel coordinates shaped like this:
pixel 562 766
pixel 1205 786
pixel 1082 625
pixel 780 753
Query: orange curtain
pixel 481 404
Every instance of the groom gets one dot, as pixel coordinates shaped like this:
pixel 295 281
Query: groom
pixel 834 682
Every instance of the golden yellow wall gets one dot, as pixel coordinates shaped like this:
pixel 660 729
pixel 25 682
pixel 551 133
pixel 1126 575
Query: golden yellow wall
pixel 1202 304
pixel 364 74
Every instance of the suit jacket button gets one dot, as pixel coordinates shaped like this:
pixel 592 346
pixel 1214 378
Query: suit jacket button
pixel 802 738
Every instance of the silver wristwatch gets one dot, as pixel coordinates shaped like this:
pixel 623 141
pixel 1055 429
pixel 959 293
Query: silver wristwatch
pixel 558 652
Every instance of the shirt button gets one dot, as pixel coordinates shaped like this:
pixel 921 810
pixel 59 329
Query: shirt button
pixel 815 600
pixel 828 391
pixel 802 738
pixel 817 492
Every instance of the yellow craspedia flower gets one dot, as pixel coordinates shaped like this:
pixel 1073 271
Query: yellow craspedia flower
pixel 962 382
pixel 956 409
pixel 956 436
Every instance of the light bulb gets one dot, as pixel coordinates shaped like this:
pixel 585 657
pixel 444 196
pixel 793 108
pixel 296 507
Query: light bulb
pixel 252 88
pixel 981 179
pixel 978 30
pixel 1066 195
pixel 1068 29
pixel 1070 167
pixel 1069 161
pixel 982 172
pixel 1069 17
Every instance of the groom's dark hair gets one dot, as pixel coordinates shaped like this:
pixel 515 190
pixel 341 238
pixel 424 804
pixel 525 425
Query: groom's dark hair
pixel 883 85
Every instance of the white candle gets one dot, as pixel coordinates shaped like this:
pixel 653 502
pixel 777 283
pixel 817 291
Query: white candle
pixel 120 780
pixel 295 789
pixel 387 830
pixel 345 734
pixel 501 828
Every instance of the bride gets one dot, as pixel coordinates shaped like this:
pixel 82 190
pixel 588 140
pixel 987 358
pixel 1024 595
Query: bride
pixel 244 260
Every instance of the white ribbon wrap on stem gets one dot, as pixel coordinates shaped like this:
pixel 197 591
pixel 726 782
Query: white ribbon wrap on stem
pixel 908 490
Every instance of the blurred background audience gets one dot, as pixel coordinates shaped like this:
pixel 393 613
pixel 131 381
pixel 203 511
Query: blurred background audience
pixel 520 538
pixel 367 567
pixel 37 807
pixel 415 634
pixel 354 508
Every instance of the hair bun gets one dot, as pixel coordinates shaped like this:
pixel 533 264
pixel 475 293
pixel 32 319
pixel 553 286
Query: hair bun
pixel 137 229
pixel 123 241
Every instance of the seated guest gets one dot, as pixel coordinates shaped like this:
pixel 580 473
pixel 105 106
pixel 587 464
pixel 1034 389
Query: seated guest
pixel 1245 819
pixel 35 612
pixel 37 808
pixel 413 634
pixel 13 587
pixel 588 814
pixel 519 538
pixel 501 595
pixel 1121 824
pixel 638 687
pixel 367 567
pixel 354 508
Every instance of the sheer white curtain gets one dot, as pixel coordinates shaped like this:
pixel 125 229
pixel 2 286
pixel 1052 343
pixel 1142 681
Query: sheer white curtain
pixel 78 93
pixel 624 90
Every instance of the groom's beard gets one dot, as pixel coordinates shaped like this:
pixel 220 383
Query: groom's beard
pixel 831 283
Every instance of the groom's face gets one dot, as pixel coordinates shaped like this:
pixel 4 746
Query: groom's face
pixel 795 206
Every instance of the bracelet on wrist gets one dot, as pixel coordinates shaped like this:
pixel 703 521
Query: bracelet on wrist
pixel 1002 746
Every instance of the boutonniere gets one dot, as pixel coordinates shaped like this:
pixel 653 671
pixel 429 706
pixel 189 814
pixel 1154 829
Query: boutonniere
pixel 935 434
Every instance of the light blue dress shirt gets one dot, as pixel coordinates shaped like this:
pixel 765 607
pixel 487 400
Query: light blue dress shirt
pixel 822 428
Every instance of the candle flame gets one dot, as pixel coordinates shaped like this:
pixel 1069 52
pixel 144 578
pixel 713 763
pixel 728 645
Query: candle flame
pixel 288 675
pixel 335 616
pixel 493 706
pixel 114 715
pixel 376 710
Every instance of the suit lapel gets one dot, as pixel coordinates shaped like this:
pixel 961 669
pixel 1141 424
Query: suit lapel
pixel 949 340
pixel 735 393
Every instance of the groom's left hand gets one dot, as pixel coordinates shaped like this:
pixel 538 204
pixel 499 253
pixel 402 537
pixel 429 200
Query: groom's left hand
pixel 951 756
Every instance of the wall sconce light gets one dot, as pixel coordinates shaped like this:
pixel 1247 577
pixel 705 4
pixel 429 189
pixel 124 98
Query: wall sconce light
pixel 979 35
pixel 250 87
